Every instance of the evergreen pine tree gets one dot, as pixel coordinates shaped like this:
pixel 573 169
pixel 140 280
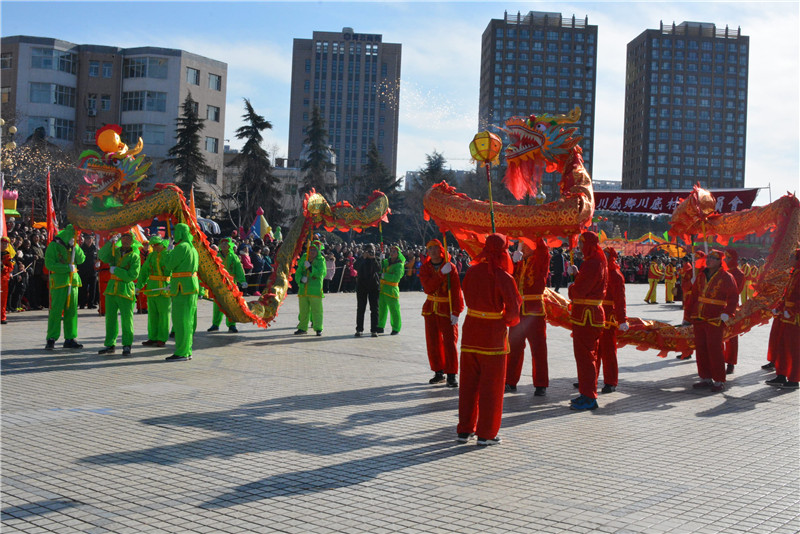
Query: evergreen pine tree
pixel 317 162
pixel 186 156
pixel 258 186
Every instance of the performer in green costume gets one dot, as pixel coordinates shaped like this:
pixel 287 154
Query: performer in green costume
pixel 61 258
pixel 233 265
pixel 182 262
pixel 154 280
pixel 389 298
pixel 122 256
pixel 309 275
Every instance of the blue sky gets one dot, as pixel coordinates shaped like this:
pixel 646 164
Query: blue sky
pixel 441 62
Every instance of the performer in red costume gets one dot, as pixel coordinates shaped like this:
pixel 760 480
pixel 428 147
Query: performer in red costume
pixel 687 273
pixel 492 305
pixel 8 266
pixel 785 346
pixel 531 268
pixel 732 345
pixel 616 319
pixel 441 310
pixel 716 299
pixel 587 294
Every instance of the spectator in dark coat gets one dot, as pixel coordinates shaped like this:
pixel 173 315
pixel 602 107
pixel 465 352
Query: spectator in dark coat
pixel 368 287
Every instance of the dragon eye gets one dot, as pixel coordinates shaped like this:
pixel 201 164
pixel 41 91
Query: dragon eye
pixel 115 162
pixel 541 127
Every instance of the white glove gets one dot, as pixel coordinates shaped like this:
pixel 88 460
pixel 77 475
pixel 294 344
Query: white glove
pixel 167 289
pixel 623 327
pixel 383 256
pixel 74 267
pixel 383 276
pixel 307 264
pixel 112 269
pixel 517 256
pixel 304 279
pixel 19 253
pixel 97 265
pixel 453 319
pixel 446 268
pixel 244 285
pixel 572 270
pixel 693 279
pixel 786 314
pixel 724 317
pixel 72 242
pixel 115 238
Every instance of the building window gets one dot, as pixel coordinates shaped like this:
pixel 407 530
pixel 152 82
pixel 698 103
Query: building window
pixel 215 82
pixel 108 69
pixel 212 144
pixel 105 102
pixel 94 69
pixel 154 134
pixel 131 133
pixel 133 101
pixel 59 128
pixel 50 93
pixel 212 113
pixel 6 95
pixel 47 58
pixel 5 60
pixel 145 67
pixel 91 101
pixel 40 93
pixel 156 101
pixel 64 96
pixel 192 76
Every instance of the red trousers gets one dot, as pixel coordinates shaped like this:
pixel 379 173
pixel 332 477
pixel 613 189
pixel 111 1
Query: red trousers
pixel 533 329
pixel 710 353
pixel 584 344
pixel 607 356
pixel 4 298
pixel 787 359
pixel 102 283
pixel 442 340
pixel 732 350
pixel 480 394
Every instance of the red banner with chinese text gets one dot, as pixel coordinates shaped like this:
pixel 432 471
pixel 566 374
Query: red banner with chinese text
pixel 663 202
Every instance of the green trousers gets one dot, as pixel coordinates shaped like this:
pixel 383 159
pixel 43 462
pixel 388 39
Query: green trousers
pixel 310 308
pixel 184 322
pixel 63 301
pixel 125 309
pixel 158 309
pixel 389 307
pixel 216 317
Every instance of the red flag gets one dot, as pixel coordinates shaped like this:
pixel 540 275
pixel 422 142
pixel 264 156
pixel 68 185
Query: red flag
pixel 626 235
pixel 52 224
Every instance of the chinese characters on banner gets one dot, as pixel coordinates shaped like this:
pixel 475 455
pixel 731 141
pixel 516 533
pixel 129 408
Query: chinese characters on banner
pixel 664 202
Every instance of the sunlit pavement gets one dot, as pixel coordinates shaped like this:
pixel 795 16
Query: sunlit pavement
pixel 264 431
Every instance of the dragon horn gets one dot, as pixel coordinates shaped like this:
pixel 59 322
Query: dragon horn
pixel 572 116
pixel 140 145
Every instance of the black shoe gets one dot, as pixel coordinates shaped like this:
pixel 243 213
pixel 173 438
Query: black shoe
pixel 464 437
pixel 3 322
pixel 729 369
pixel 299 332
pixel 777 382
pixel 374 334
pixel 608 389
pixel 319 333
pixel 126 350
pixel 107 350
pixel 213 328
pixel 539 391
pixel 358 334
pixel 684 356
pixel 379 330
pixel 51 344
pixel 768 366
pixel 233 329
pixel 485 442
pixel 72 344
pixel 394 332
pixel 438 378
pixel 791 385
pixel 172 335
pixel 576 385
pixel 91 307
pixel 451 381
pixel 176 358
pixel 510 388
pixel 149 342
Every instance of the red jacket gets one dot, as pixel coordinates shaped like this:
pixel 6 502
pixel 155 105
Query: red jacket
pixel 434 283
pixel 588 291
pixel 738 277
pixel 614 301
pixel 530 274
pixel 654 272
pixel 715 296
pixel 493 304
pixel 791 299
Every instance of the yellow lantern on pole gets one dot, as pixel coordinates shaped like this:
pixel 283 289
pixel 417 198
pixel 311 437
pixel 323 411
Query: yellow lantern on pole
pixel 485 148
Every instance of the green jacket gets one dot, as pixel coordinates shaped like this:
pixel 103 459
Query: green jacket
pixel 58 257
pixel 315 274
pixel 233 264
pixel 391 277
pixel 154 274
pixel 126 269
pixel 181 260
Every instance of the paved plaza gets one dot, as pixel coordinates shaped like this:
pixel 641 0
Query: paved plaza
pixel 264 431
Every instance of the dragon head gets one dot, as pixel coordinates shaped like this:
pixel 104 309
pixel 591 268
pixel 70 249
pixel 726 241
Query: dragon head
pixel 537 143
pixel 112 176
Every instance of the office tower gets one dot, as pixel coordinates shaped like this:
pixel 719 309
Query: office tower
pixel 535 63
pixel 72 90
pixel 685 107
pixel 353 78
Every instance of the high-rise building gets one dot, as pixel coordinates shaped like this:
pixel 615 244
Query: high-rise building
pixel 72 90
pixel 539 63
pixel 685 107
pixel 353 78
